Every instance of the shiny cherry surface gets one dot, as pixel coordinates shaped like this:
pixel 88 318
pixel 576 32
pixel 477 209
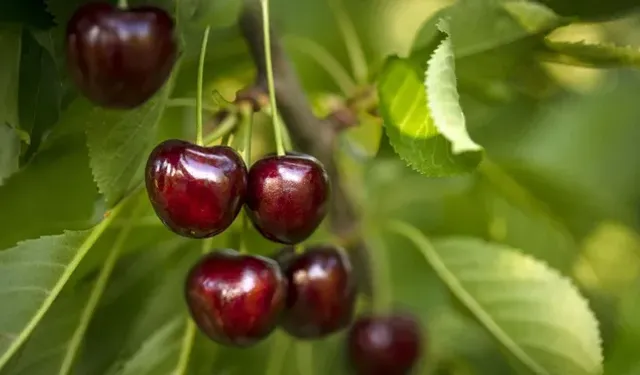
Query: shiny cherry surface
pixel 321 292
pixel 119 58
pixel 384 345
pixel 196 191
pixel 287 197
pixel 235 299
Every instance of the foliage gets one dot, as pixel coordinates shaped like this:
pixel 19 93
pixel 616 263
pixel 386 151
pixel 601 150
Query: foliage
pixel 505 200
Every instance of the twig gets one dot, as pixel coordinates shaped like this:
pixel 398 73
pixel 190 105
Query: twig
pixel 310 134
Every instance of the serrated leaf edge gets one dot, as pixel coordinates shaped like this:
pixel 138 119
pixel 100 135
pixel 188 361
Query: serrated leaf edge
pixel 628 54
pixel 448 118
pixel 427 249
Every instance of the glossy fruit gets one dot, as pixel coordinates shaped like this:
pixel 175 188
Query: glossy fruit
pixel 196 191
pixel 235 299
pixel 287 197
pixel 120 58
pixel 321 292
pixel 384 345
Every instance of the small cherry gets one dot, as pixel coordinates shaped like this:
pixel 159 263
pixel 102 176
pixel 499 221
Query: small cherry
pixel 196 191
pixel 119 58
pixel 235 299
pixel 287 197
pixel 384 345
pixel 321 292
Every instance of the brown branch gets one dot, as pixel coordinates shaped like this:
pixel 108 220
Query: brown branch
pixel 310 134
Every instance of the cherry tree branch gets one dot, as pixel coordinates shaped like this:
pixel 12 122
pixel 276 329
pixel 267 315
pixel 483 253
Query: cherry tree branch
pixel 310 134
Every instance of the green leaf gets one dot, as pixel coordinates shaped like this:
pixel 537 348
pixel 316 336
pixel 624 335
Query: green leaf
pixel 52 193
pixel 10 39
pixel 591 55
pixel 479 26
pixel 443 99
pixel 533 311
pixel 532 16
pixel 410 127
pixel 119 143
pixel 9 151
pixel 42 354
pixel 39 95
pixel 34 273
pixel 158 352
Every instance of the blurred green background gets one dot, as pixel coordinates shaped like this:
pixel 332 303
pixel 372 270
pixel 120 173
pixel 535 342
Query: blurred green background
pixel 563 186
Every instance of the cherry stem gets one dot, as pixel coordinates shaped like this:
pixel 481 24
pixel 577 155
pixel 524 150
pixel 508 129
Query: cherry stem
pixel 277 129
pixel 199 120
pixel 186 347
pixel 225 127
pixel 246 117
pixel 122 4
pixel 190 102
pixel 382 294
pixel 304 357
pixel 280 345
pixel 243 234
pixel 189 336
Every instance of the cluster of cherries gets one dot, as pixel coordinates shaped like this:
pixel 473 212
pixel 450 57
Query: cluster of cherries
pixel 118 59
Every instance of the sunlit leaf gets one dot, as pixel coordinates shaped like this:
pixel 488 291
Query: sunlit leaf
pixel 443 99
pixel 535 313
pixel 410 127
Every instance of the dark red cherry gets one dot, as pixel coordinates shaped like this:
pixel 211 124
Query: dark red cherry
pixel 287 197
pixel 196 191
pixel 321 292
pixel 384 345
pixel 235 299
pixel 119 58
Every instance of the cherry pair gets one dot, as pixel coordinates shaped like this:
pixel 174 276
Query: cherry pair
pixel 198 191
pixel 239 299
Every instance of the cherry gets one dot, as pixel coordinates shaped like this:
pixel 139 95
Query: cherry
pixel 119 58
pixel 287 197
pixel 384 345
pixel 235 299
pixel 321 292
pixel 196 191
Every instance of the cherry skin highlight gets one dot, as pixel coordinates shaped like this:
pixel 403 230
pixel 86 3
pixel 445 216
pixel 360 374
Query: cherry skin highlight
pixel 235 299
pixel 119 58
pixel 321 292
pixel 287 197
pixel 384 345
pixel 195 191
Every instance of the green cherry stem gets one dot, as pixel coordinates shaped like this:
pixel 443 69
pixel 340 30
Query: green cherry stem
pixel 224 128
pixel 189 336
pixel 191 103
pixel 383 295
pixel 277 129
pixel 122 4
pixel 97 291
pixel 246 118
pixel 280 345
pixel 199 120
